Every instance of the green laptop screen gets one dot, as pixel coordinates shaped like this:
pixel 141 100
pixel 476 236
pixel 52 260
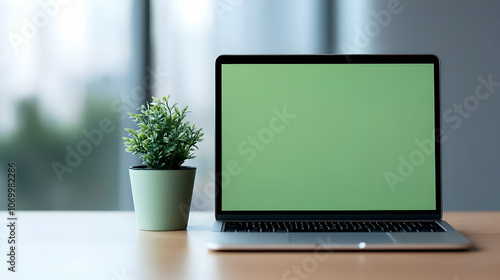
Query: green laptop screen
pixel 321 137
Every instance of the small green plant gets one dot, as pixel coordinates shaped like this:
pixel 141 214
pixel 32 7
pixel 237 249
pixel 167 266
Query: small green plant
pixel 164 140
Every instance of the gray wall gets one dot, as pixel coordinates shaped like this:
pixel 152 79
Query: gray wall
pixel 466 37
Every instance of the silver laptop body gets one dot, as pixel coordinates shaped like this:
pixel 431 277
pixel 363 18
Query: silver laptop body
pixel 329 142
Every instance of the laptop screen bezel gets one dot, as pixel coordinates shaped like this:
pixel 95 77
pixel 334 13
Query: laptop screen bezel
pixel 333 214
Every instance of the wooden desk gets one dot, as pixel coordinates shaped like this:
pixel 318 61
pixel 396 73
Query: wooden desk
pixel 107 245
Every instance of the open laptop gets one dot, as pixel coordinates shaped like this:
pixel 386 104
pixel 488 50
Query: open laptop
pixel 329 152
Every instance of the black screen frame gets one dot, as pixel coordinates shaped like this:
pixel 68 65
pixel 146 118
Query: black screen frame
pixel 334 214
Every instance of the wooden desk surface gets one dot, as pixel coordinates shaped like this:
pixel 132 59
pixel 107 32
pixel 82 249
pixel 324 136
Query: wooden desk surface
pixel 107 245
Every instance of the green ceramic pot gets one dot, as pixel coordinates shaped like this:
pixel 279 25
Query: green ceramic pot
pixel 162 198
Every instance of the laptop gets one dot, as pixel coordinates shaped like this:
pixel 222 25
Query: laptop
pixel 329 152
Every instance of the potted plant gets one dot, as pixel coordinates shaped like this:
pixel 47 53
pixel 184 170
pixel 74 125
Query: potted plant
pixel 162 188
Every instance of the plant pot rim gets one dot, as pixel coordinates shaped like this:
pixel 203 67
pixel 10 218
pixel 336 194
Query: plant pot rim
pixel 145 168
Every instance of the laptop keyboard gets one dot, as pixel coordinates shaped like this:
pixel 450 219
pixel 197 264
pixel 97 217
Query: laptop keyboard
pixel 337 226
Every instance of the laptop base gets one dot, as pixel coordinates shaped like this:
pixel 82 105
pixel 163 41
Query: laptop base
pixel 337 241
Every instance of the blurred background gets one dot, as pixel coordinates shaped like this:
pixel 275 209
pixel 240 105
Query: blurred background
pixel 71 70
